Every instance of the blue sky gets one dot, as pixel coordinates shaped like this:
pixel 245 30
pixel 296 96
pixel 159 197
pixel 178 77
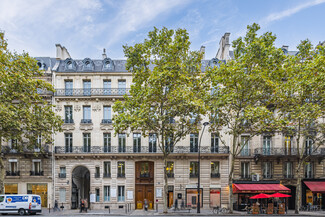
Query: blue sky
pixel 85 27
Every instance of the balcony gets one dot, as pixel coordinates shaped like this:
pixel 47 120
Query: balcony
pixel 170 175
pixel 24 150
pixel 194 175
pixel 194 149
pixel 129 150
pixel 106 121
pixel 97 175
pixel 37 173
pixel 245 177
pixel 121 175
pixel 215 175
pixel 275 151
pixel 12 173
pixel 62 175
pixel 106 175
pixel 92 92
pixel 245 152
pixel 267 176
pixel 86 121
pixel 68 121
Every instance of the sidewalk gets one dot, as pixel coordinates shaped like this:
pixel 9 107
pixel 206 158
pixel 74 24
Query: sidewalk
pixel 171 212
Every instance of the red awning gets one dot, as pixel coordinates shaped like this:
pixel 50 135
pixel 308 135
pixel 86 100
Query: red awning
pixel 318 187
pixel 260 188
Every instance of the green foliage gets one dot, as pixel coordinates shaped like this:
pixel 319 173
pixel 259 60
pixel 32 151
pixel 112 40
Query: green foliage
pixel 24 114
pixel 167 90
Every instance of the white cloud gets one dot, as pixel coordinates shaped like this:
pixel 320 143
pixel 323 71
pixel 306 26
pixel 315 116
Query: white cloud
pixel 289 12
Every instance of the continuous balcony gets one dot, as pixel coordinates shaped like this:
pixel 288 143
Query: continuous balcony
pixel 85 92
pixel 287 152
pixel 24 150
pixel 130 149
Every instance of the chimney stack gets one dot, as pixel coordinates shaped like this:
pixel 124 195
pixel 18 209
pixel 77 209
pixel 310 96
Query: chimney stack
pixel 61 52
pixel 104 54
pixel 285 47
pixel 202 51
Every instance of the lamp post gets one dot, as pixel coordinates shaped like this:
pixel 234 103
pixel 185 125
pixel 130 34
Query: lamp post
pixel 198 170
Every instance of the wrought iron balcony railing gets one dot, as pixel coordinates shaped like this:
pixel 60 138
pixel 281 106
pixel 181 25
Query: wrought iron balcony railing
pixel 68 121
pixel 86 121
pixel 106 121
pixel 97 175
pixel 288 176
pixel 286 151
pixel 245 176
pixel 121 175
pixel 12 173
pixel 37 173
pixel 106 175
pixel 215 175
pixel 194 175
pixel 129 149
pixel 92 92
pixel 267 176
pixel 170 175
pixel 25 150
pixel 245 152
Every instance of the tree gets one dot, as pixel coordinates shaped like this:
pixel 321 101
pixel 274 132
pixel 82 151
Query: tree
pixel 24 114
pixel 300 100
pixel 241 100
pixel 166 97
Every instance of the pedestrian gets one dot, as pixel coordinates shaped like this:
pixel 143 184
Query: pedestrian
pixel 82 205
pixel 145 205
pixel 86 204
pixel 56 206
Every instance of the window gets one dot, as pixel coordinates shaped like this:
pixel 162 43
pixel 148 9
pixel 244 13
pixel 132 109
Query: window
pixel 13 168
pixel 13 144
pixel 68 118
pixel 97 194
pixel 214 143
pixel 194 165
pixel 215 169
pixel 107 169
pixel 121 169
pixel 136 142
pixel 62 195
pixel 287 145
pixel 121 87
pixel 121 142
pixel 245 170
pixel 107 116
pixel 68 142
pixel 245 146
pixel 38 143
pixel 97 172
pixel 106 193
pixel 267 170
pixel 194 118
pixel 309 146
pixel 288 170
pixel 152 142
pixel 121 194
pixel 62 173
pixel 87 142
pixel 11 188
pixel 309 170
pixel 267 145
pixel 37 169
pixel 107 142
pixel 169 144
pixel 194 142
pixel 107 84
pixel 170 169
pixel 68 84
pixel 86 115
pixel 87 87
pixel 144 170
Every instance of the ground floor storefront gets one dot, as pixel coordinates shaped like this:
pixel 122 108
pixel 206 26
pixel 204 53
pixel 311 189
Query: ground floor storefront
pixel 313 194
pixel 42 189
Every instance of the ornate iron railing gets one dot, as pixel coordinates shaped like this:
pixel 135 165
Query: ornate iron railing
pixel 129 149
pixel 106 121
pixel 62 175
pixel 286 151
pixel 37 173
pixel 215 175
pixel 92 92
pixel 8 150
pixel 12 173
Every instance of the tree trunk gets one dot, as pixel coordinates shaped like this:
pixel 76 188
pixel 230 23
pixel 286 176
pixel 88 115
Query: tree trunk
pixel 230 185
pixel 298 188
pixel 2 170
pixel 165 193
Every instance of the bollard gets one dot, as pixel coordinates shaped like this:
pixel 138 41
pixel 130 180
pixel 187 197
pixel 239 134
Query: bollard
pixel 156 207
pixel 49 208
pixel 126 210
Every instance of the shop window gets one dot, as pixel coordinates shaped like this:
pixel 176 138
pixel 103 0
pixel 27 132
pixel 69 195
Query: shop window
pixel 191 197
pixel 121 169
pixel 11 189
pixel 215 197
pixel 106 193
pixel 170 169
pixel 215 169
pixel 194 169
pixel 62 195
pixel 39 189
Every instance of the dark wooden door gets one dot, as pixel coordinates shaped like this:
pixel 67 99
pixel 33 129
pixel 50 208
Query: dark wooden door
pixel 149 195
pixel 139 197
pixel 170 199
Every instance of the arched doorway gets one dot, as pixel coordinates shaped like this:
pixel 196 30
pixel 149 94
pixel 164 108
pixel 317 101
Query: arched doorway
pixel 144 184
pixel 80 186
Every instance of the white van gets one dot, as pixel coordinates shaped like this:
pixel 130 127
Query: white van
pixel 20 203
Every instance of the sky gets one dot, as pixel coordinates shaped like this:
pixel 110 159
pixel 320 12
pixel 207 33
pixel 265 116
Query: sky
pixel 85 27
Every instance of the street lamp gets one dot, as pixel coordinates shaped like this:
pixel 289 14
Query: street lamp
pixel 198 170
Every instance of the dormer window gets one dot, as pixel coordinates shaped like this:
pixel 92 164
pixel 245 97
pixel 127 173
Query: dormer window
pixel 108 64
pixel 214 62
pixel 88 64
pixel 69 65
pixel 41 65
